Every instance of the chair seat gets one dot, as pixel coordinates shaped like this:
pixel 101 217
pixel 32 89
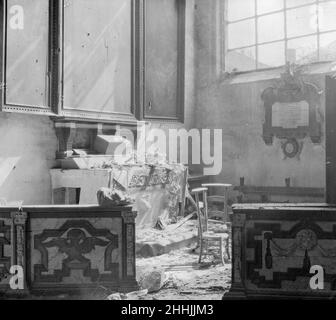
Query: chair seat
pixel 216 198
pixel 219 230
pixel 216 214
pixel 212 235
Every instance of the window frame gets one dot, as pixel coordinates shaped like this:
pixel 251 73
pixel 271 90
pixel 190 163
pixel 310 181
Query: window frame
pixel 285 39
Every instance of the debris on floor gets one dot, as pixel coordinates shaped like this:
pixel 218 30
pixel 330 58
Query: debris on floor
pixel 136 295
pixel 151 279
pixel 185 278
pixel 151 242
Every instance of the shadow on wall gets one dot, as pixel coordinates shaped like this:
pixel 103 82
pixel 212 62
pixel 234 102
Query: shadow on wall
pixel 27 151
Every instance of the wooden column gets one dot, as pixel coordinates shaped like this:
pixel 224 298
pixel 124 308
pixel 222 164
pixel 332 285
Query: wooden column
pixel 330 117
pixel 237 290
pixel 128 257
pixel 19 242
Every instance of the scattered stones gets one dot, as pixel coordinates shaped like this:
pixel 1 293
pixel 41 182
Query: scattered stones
pixel 115 296
pixel 152 280
pixel 152 242
pixel 137 295
pixel 110 198
pixel 187 279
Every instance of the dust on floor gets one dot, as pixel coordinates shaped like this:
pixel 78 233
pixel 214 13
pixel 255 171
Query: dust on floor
pixel 187 279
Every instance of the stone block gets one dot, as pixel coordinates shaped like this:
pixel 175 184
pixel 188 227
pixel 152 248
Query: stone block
pixel 111 145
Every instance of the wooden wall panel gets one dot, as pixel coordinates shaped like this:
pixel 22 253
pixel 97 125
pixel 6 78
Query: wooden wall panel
pixel 97 55
pixel 164 34
pixel 27 53
pixel 330 119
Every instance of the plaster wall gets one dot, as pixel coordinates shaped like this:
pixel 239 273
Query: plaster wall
pixel 27 151
pixel 234 105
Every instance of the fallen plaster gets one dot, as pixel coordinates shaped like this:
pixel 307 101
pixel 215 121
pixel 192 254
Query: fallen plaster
pixel 187 279
pixel 151 242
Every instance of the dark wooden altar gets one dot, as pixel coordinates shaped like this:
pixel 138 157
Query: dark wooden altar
pixel 275 245
pixel 68 249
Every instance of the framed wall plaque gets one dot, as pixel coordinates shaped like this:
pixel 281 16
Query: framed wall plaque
pixel 291 110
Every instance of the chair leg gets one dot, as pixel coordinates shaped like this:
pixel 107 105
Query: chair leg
pixel 221 247
pixel 227 246
pixel 206 246
pixel 201 251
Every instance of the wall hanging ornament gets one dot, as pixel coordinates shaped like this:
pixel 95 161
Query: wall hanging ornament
pixel 292 148
pixel 291 112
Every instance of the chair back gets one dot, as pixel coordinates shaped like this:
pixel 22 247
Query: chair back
pixel 201 215
pixel 219 198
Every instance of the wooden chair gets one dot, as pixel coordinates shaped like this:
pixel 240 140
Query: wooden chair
pixel 206 236
pixel 223 215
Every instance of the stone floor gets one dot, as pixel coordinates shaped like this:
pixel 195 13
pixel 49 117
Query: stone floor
pixel 188 280
pixel 151 242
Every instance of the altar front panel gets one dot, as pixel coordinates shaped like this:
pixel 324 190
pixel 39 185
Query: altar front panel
pixel 68 249
pixel 274 248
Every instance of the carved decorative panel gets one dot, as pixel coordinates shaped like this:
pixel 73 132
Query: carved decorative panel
pixel 70 249
pixel 275 246
pixel 281 259
pixel 5 250
pixel 73 243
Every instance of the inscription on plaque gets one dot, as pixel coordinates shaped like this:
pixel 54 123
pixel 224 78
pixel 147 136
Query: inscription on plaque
pixel 290 115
